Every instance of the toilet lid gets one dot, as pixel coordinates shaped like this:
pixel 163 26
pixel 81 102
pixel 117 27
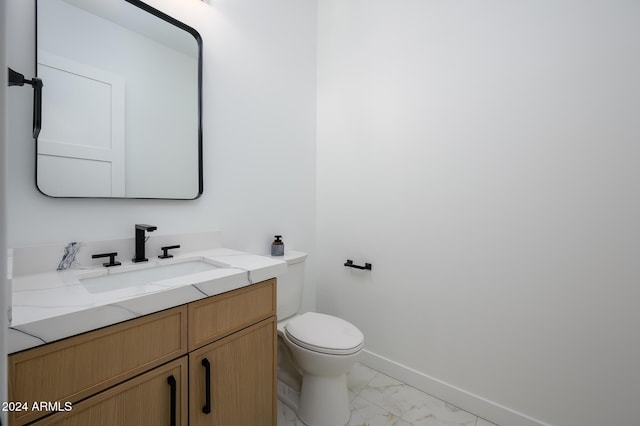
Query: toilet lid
pixel 324 333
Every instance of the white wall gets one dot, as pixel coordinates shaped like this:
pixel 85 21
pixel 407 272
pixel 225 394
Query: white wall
pixel 259 135
pixel 483 156
pixel 4 297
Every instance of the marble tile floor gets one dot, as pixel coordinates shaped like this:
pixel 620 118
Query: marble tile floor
pixel 379 400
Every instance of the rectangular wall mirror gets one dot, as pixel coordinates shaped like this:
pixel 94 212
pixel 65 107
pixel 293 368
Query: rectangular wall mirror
pixel 121 102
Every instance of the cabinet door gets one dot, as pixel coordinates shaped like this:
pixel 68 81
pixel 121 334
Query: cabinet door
pixel 233 381
pixel 156 398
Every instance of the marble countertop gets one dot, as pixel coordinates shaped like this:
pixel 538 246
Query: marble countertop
pixel 49 306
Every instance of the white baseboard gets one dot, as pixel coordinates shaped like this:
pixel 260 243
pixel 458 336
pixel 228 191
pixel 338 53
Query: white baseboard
pixel 460 398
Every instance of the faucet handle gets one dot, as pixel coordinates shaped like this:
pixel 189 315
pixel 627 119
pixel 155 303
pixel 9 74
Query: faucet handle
pixel 165 254
pixel 144 227
pixel 111 256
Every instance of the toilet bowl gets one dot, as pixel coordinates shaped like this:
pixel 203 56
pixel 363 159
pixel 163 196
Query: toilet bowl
pixel 322 348
pixel 315 351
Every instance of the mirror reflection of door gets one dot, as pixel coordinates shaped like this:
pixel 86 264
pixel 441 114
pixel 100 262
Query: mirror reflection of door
pixel 121 101
pixel 83 130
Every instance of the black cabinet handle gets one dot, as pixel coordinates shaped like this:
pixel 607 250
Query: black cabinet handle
pixel 172 383
pixel 207 386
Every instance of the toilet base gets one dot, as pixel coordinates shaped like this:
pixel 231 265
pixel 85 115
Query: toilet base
pixel 326 403
pixel 324 400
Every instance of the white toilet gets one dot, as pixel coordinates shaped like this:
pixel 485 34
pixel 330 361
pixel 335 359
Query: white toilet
pixel 315 351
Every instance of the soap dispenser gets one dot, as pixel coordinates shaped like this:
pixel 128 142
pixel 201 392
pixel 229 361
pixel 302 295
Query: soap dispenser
pixel 277 248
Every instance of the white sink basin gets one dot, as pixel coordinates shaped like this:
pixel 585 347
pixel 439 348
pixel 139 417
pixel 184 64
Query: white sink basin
pixel 116 280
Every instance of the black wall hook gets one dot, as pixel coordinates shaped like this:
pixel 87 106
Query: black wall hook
pixel 350 264
pixel 17 79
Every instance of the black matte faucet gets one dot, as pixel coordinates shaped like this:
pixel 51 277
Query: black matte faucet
pixel 140 240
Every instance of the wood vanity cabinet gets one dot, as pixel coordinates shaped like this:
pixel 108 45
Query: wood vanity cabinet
pixel 150 370
pixel 231 380
pixel 232 367
pixel 73 369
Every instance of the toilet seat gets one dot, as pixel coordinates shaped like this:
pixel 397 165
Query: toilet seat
pixel 324 333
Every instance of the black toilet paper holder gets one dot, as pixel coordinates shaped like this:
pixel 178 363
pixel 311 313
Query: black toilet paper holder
pixel 350 264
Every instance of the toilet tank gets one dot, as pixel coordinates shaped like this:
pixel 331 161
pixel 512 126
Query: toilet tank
pixel 289 290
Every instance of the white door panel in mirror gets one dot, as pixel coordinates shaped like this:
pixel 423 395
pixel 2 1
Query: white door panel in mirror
pixel 81 100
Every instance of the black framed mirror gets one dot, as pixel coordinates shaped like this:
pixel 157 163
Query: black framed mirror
pixel 121 102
